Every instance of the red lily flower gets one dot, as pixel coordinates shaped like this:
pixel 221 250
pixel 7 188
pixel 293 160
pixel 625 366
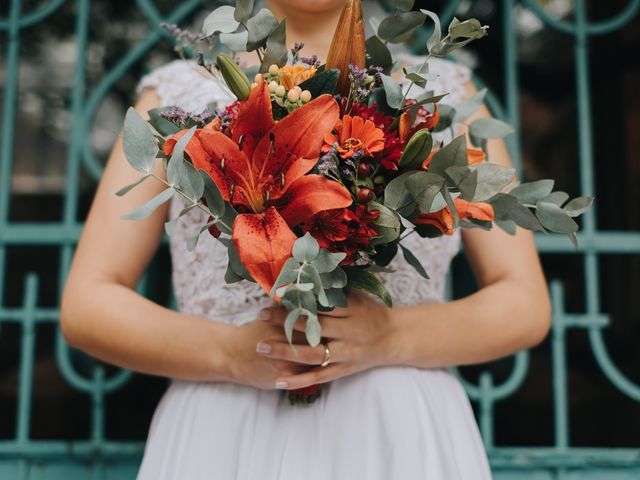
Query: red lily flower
pixel 262 170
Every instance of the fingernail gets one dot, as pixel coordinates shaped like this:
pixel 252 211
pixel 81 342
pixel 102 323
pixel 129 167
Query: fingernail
pixel 264 314
pixel 263 347
pixel 281 384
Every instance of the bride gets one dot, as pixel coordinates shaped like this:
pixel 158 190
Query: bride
pixel 389 408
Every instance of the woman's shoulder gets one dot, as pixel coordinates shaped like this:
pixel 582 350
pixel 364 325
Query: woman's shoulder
pixel 184 84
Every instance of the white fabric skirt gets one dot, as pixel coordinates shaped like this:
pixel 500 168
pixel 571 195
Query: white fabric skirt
pixel 385 423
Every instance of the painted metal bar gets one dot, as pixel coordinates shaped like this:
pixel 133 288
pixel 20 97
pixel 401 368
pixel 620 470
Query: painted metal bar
pixel 31 18
pixel 512 90
pixel 559 369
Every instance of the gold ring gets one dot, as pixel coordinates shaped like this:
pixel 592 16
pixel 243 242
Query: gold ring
pixel 327 355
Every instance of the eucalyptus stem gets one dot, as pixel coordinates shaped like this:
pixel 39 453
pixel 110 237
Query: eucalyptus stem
pixel 186 197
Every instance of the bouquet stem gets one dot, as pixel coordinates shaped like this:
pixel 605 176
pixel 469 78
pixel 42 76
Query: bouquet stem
pixel 304 395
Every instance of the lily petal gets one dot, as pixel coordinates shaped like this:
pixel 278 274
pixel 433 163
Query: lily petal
pixel 254 119
pixel 297 140
pixel 312 194
pixel 264 242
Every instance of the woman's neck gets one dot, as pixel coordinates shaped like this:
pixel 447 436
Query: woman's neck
pixel 313 29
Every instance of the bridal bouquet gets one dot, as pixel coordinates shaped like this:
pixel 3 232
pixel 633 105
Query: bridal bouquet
pixel 316 174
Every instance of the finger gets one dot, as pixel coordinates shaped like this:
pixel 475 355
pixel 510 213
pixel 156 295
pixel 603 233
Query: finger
pixel 304 354
pixel 312 376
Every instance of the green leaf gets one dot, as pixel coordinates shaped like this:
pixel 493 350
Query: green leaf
pixel 411 188
pixel 215 202
pixel 192 241
pixel 313 331
pixel 379 53
pixel 465 179
pixel 385 253
pixel 417 149
pixel 531 192
pixel 454 154
pixel 507 209
pixel 290 322
pixel 417 79
pixel 436 36
pixel 192 183
pixel 129 187
pixel 220 20
pixel 176 166
pixel 553 218
pixel 235 41
pixel 557 198
pixel 260 26
pixel 578 206
pixel 469 29
pixel 396 27
pixel 363 280
pixel 235 264
pixel 492 179
pixel 162 125
pixel 485 128
pixel 387 225
pixel 336 297
pixel 334 279
pixel 243 10
pixel 447 112
pixel 405 5
pixel 392 90
pixel 323 82
pixel 466 109
pixel 413 261
pixel 140 146
pixel 306 248
pixel 148 208
pixel 276 48
pixel 327 261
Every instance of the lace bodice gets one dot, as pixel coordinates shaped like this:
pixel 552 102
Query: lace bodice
pixel 198 276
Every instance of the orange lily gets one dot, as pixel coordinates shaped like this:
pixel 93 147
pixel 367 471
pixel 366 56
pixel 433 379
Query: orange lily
pixel 347 46
pixel 262 170
pixel 443 219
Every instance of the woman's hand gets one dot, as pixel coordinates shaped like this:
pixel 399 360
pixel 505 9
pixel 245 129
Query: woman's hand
pixel 360 336
pixel 249 367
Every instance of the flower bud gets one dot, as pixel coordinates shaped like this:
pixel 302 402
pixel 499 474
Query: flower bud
pixel 280 91
pixel 272 86
pixel 305 96
pixel 258 78
pixel 273 69
pixel 293 96
pixel 253 85
pixel 233 76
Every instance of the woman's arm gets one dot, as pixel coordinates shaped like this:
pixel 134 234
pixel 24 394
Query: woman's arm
pixel 511 311
pixel 103 315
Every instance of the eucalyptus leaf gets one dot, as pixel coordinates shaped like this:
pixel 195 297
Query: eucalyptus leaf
pixel 215 202
pixel 220 20
pixel 243 10
pixel 553 218
pixel 469 29
pixel 467 108
pixel 306 248
pixel 236 41
pixel 405 5
pixel 176 166
pixel 436 36
pixel 387 225
pixel 140 146
pixel 236 264
pixel 336 297
pixel 393 28
pixel 557 198
pixel 276 48
pixel 334 279
pixel 149 207
pixel 379 53
pixel 392 90
pixel 405 191
pixel 129 187
pixel 454 154
pixel 485 128
pixel 578 206
pixel 413 261
pixel 313 331
pixel 162 125
pixel 531 192
pixel 327 261
pixel 192 241
pixel 260 26
pixel 492 179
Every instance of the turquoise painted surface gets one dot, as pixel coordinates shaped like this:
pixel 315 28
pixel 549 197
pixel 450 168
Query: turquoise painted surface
pixel 99 457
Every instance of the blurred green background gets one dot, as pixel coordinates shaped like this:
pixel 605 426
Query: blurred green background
pixel 567 72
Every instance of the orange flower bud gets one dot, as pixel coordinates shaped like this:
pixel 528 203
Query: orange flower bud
pixel 347 46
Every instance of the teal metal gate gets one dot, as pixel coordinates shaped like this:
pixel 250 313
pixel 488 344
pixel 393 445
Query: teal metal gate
pixel 22 457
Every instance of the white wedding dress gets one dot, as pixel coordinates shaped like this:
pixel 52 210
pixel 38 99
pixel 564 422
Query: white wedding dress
pixel 386 423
